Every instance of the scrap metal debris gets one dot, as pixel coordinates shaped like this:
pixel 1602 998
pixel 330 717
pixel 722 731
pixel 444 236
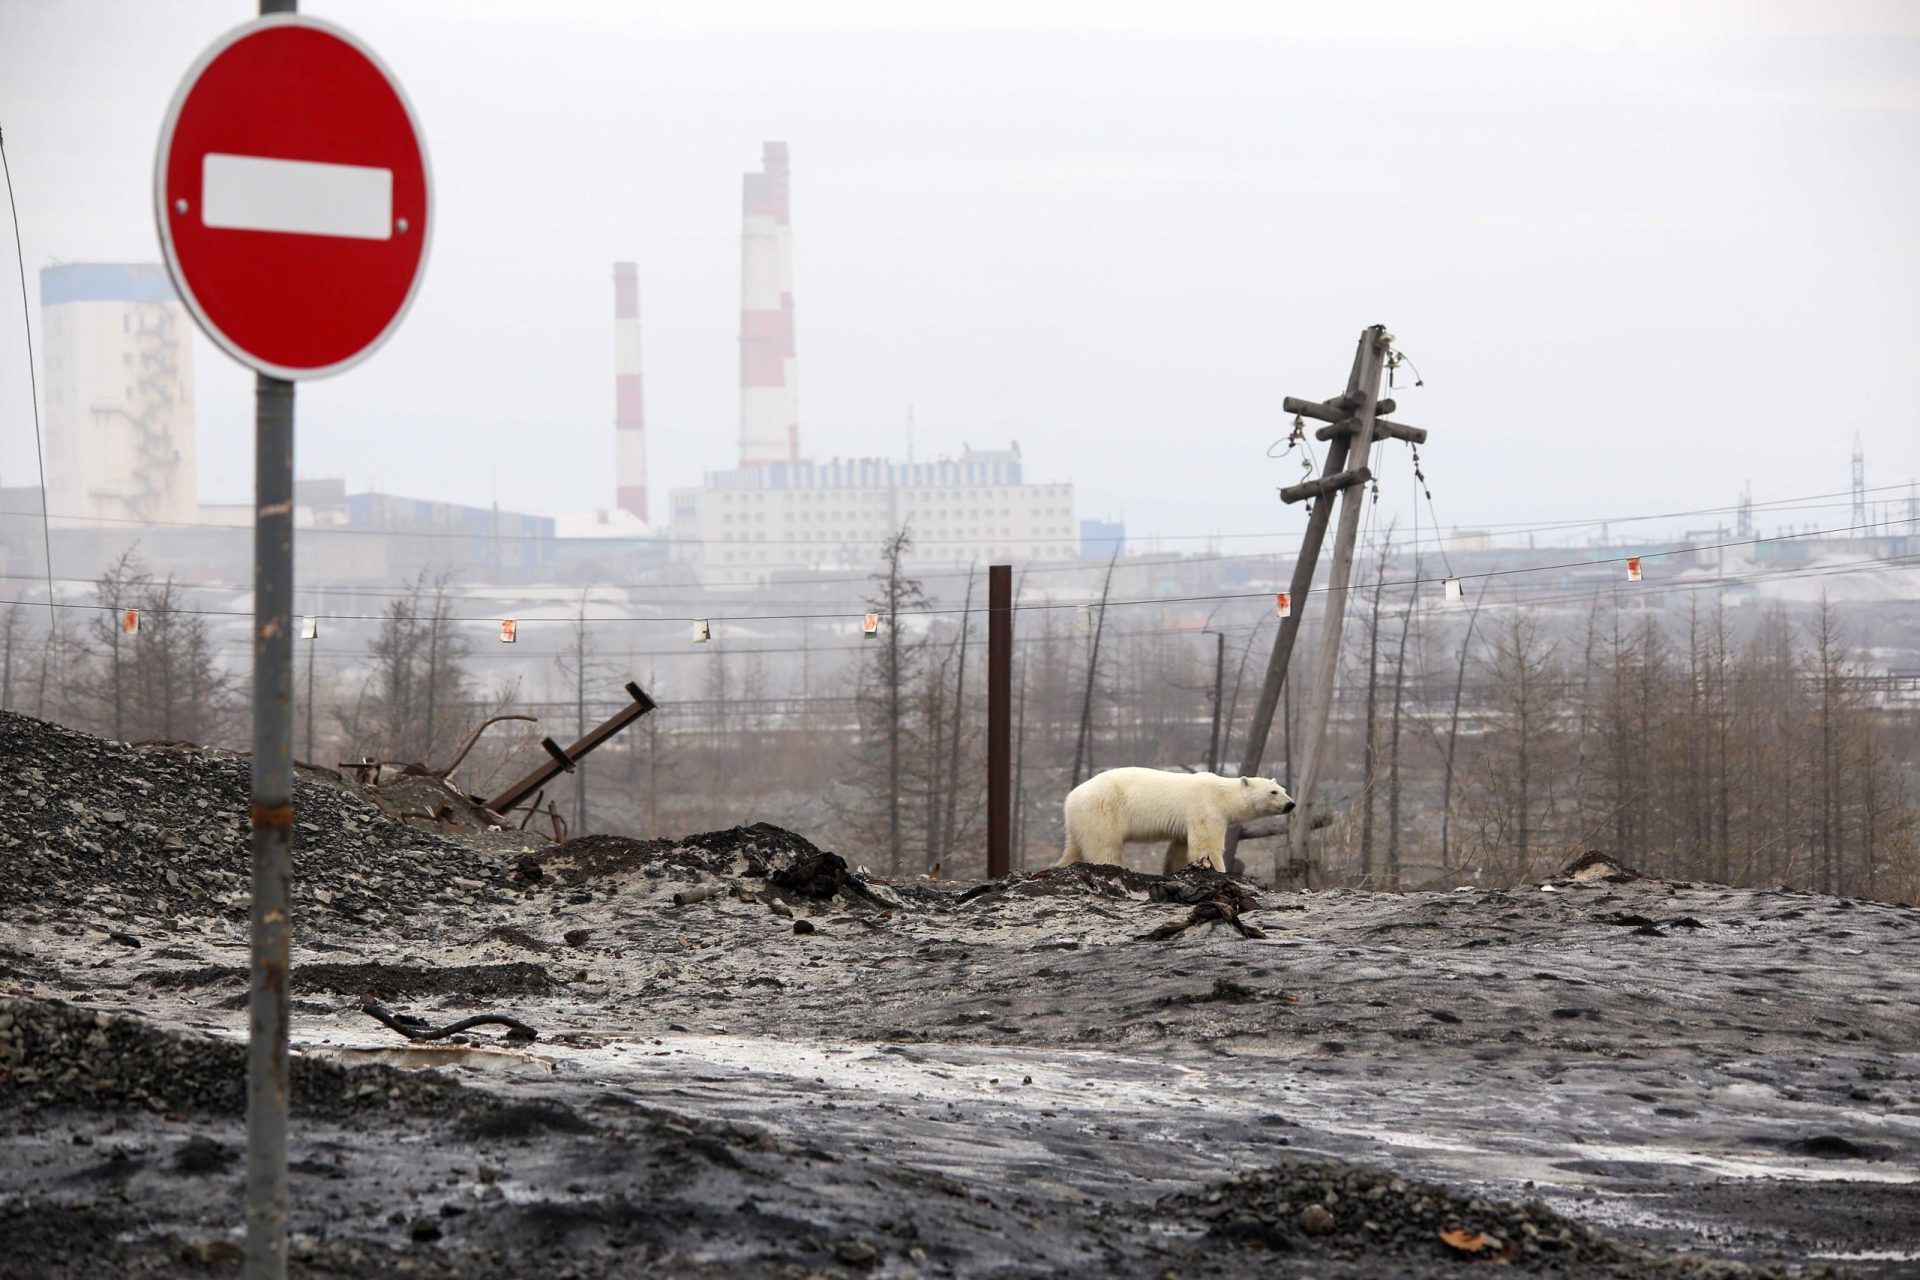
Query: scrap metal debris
pixel 1216 899
pixel 417 1029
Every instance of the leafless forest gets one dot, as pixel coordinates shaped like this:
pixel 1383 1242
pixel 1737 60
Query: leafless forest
pixel 1484 741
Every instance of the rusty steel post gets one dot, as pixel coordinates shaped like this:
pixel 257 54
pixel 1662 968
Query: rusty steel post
pixel 272 818
pixel 563 759
pixel 272 822
pixel 999 720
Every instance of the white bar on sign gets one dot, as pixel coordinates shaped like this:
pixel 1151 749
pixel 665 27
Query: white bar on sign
pixel 303 197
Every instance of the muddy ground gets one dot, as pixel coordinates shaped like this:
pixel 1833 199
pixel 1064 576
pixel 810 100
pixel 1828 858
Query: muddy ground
pixel 798 1070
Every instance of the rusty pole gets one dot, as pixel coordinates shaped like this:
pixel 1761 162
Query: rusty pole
pixel 272 822
pixel 999 720
pixel 272 818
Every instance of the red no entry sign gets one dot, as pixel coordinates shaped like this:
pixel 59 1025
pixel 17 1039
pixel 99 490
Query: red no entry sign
pixel 293 198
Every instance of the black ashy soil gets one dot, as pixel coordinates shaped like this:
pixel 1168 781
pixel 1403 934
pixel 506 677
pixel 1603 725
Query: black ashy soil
pixel 1609 1076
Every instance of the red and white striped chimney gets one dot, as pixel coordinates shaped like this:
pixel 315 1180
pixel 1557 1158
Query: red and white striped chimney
pixel 629 419
pixel 769 402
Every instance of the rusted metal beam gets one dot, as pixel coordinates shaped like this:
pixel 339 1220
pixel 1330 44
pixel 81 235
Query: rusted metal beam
pixel 999 720
pixel 471 739
pixel 1325 485
pixel 563 759
pixel 560 757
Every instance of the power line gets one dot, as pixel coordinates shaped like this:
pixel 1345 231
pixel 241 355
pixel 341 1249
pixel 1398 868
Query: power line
pixel 1173 560
pixel 853 610
pixel 33 383
pixel 666 539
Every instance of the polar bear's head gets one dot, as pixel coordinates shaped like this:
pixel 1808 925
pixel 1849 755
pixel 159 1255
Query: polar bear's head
pixel 1260 798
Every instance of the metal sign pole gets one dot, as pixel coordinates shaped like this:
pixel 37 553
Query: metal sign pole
pixel 272 816
pixel 292 294
pixel 272 821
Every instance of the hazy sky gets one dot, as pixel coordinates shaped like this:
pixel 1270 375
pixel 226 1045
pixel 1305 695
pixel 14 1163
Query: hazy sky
pixel 1641 252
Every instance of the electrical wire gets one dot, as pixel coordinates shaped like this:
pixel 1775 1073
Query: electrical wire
pixel 1805 503
pixel 33 383
pixel 931 612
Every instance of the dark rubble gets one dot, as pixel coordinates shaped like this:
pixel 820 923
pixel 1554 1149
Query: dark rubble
pixel 144 833
pixel 756 1060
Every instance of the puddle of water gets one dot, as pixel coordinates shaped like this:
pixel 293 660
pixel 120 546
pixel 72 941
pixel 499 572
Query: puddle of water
pixel 1731 1166
pixel 422 1056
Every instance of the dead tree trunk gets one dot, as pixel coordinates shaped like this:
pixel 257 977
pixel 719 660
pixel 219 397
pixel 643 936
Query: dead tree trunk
pixel 1453 733
pixel 1393 743
pixel 957 738
pixel 6 664
pixel 1370 755
pixel 1083 745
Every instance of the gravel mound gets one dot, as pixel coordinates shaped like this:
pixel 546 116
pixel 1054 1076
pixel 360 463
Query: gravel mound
pixel 54 1055
pixel 789 863
pixel 1330 1209
pixel 163 831
pixel 1192 886
pixel 585 859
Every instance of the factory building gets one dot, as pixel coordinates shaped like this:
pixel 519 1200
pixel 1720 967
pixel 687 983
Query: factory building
pixel 752 523
pixel 119 395
pixel 779 514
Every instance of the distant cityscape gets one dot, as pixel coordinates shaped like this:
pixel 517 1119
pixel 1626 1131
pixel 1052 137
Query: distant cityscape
pixel 121 457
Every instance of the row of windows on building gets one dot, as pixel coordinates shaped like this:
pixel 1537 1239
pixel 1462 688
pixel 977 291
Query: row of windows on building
pixel 973 513
pixel 853 496
pixel 1042 552
pixel 935 534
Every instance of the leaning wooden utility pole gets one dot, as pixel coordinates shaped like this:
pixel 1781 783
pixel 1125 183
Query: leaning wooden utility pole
pixel 1353 422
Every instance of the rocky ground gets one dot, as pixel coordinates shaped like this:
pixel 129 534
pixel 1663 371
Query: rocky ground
pixel 753 1061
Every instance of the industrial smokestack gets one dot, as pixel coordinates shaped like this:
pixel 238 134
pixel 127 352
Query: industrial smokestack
pixel 629 418
pixel 769 402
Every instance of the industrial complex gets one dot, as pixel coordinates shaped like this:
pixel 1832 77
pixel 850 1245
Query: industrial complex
pixel 121 460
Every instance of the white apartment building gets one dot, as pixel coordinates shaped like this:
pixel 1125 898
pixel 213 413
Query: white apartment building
pixel 746 525
pixel 119 395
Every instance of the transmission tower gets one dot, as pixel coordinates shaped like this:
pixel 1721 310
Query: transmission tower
pixel 1859 484
pixel 1744 519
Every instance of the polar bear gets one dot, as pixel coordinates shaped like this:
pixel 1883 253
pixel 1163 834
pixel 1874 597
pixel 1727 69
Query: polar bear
pixel 1192 810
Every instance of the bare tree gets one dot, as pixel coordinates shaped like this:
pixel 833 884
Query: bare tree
pixel 958 735
pixel 579 663
pixel 1083 745
pixel 174 687
pixel 1453 732
pixel 1522 689
pixel 883 698
pixel 116 591
pixel 1370 752
pixel 9 637
pixel 1829 656
pixel 63 661
pixel 1393 741
pixel 418 660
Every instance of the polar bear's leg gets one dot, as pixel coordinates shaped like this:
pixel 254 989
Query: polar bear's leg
pixel 1176 855
pixel 1207 842
pixel 1072 852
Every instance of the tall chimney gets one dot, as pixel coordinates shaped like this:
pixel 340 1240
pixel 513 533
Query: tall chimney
pixel 629 419
pixel 769 404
